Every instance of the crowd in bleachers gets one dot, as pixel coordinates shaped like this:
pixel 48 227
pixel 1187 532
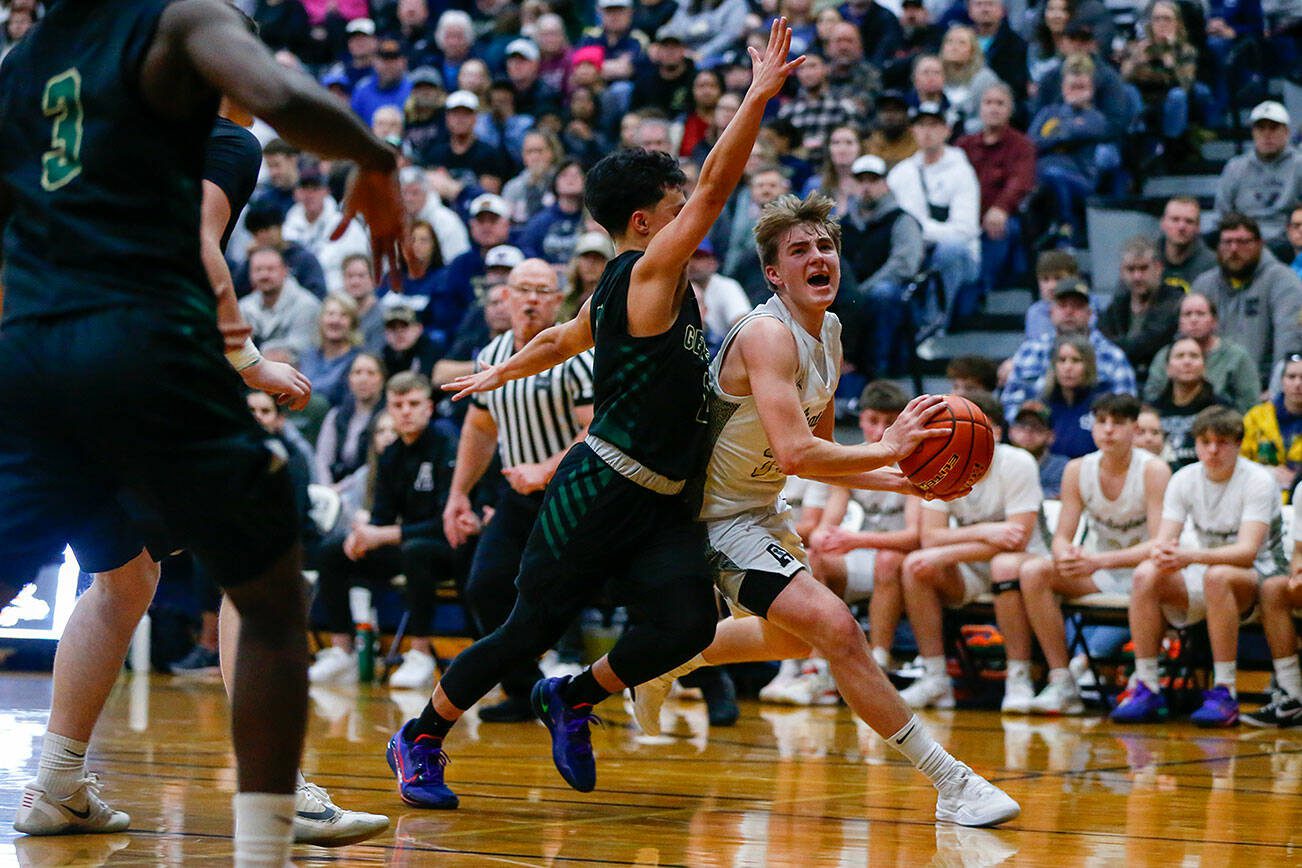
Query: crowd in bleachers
pixel 961 141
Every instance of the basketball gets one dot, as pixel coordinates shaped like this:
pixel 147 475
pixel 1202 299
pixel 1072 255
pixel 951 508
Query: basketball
pixel 943 465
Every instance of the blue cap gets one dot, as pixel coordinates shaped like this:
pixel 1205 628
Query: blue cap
pixel 705 247
pixel 336 76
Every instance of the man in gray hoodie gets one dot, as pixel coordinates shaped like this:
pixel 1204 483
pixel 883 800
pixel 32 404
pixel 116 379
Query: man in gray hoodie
pixel 884 248
pixel 1266 183
pixel 1259 298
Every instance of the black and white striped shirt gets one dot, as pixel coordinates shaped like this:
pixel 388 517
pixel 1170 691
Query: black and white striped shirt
pixel 535 415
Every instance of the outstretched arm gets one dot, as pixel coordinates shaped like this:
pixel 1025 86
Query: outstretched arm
pixel 652 292
pixel 277 379
pixel 548 349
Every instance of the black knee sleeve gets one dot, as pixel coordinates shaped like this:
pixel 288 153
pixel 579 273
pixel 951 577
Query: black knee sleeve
pixel 1004 587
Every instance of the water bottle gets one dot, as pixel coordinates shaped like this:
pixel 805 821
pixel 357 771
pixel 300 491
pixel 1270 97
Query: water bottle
pixel 1267 453
pixel 365 653
pixel 139 657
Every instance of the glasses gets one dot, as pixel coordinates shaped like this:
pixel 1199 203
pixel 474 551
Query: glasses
pixel 526 289
pixel 1238 242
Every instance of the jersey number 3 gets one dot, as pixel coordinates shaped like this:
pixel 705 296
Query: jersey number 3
pixel 62 101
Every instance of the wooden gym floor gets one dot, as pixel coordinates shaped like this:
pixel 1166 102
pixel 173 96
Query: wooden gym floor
pixel 806 787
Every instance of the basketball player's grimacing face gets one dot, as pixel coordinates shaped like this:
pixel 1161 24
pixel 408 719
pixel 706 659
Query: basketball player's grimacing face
pixel 873 424
pixel 808 269
pixel 1113 434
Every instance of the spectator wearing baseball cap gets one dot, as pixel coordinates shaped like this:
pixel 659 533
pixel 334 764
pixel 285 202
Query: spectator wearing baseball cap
pixel 461 152
pixel 725 300
pixel 892 137
pixel 663 79
pixel 406 346
pixel 387 85
pixel 313 219
pixel 1032 430
pixel 884 249
pixel 464 279
pixel 939 188
pixel 424 115
pixel 532 96
pixel 591 253
pixel 621 50
pixel 1266 183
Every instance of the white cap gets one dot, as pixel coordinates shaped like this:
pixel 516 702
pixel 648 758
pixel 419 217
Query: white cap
pixel 869 164
pixel 1270 111
pixel 360 25
pixel 490 202
pixel 503 255
pixel 462 99
pixel 594 242
pixel 614 4
pixel 523 47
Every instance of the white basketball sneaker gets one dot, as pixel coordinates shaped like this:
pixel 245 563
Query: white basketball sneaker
pixel 83 811
pixel 929 692
pixel 1018 695
pixel 648 698
pixel 968 799
pixel 774 691
pixel 320 822
pixel 416 672
pixel 333 666
pixel 1058 698
pixel 813 686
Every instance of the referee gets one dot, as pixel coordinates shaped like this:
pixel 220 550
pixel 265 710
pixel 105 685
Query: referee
pixel 532 421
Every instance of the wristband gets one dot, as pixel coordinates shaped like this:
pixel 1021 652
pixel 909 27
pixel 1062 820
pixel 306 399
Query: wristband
pixel 245 357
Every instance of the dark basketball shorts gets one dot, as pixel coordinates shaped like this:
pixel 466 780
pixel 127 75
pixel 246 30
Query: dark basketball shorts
pixel 126 428
pixel 598 531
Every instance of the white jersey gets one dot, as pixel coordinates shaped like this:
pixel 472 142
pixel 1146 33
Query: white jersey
pixel 742 473
pixel 1218 509
pixel 882 510
pixel 1010 487
pixel 1112 525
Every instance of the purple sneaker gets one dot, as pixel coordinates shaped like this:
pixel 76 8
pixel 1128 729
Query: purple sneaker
pixel 571 739
pixel 1140 706
pixel 1219 709
pixel 418 764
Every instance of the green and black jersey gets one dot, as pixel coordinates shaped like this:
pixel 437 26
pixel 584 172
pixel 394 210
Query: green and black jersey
pixel 650 392
pixel 105 191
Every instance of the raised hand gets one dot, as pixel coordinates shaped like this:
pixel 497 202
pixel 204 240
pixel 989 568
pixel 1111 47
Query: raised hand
pixel 769 71
pixel 377 198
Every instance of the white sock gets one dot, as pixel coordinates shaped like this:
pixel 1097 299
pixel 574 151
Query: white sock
pixel 62 765
pixel 882 657
pixel 264 829
pixel 915 742
pixel 1063 677
pixel 690 666
pixel 299 780
pixel 1227 675
pixel 1289 675
pixel 1146 671
pixel 1019 670
pixel 934 667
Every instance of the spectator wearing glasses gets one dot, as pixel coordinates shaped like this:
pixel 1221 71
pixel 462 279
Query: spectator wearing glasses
pixel 1259 298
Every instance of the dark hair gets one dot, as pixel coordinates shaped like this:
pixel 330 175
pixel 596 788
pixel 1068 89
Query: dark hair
pixel 978 368
pixel 1042 35
pixel 263 217
pixel 570 163
pixel 786 129
pixel 989 405
pixel 1219 421
pixel 1056 262
pixel 628 181
pixel 1211 303
pixel 1238 220
pixel 436 255
pixel 1117 406
pixel 279 146
pixel 712 73
pixel 883 396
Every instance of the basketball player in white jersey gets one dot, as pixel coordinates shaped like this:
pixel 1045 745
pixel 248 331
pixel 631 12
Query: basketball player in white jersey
pixel 1234 507
pixel 1118 491
pixel 771 408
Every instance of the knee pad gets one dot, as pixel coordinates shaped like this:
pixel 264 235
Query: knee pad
pixel 1004 587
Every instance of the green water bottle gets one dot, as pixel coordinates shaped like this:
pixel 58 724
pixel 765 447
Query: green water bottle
pixel 365 653
pixel 1267 453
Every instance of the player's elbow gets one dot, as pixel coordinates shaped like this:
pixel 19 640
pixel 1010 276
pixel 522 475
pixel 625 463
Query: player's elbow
pixel 792 458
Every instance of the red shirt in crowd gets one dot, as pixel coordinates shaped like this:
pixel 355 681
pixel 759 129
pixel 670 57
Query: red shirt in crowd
pixel 1005 169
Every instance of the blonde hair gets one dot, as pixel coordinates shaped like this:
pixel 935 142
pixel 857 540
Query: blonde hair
pixel 786 213
pixel 955 74
pixel 349 307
